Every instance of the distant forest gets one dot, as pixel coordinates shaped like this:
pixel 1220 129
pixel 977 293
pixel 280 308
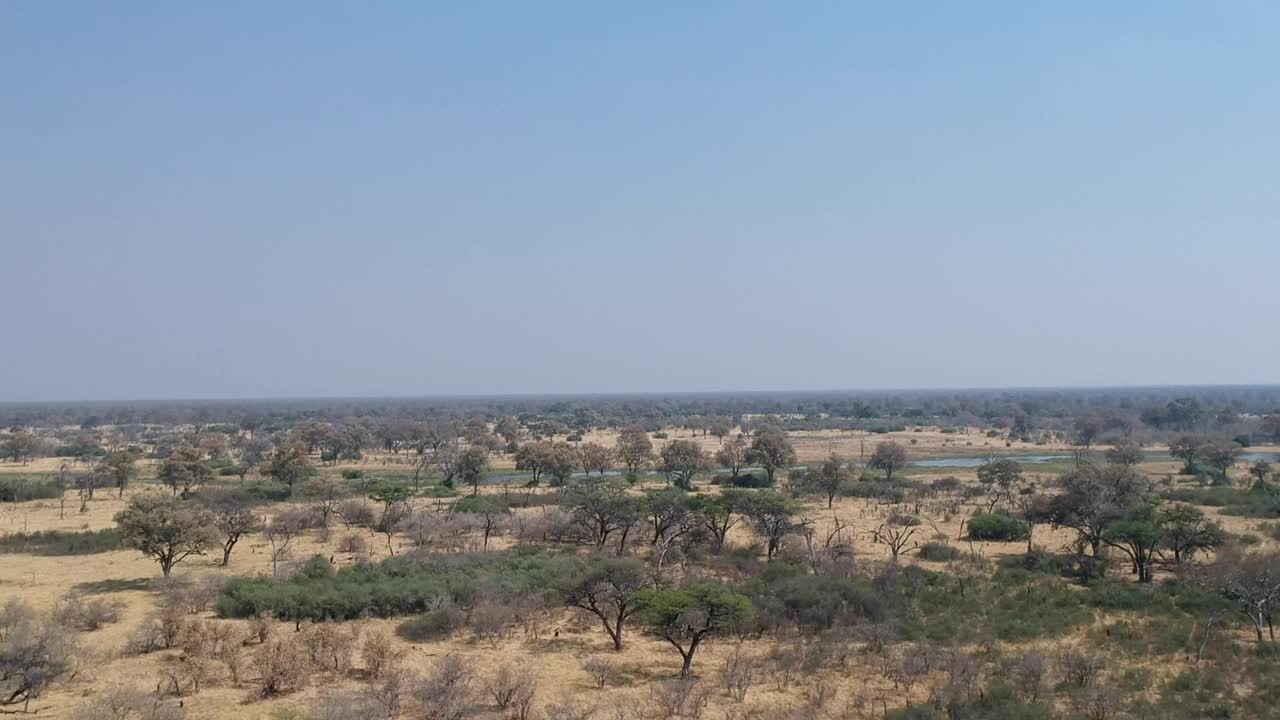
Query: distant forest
pixel 1101 411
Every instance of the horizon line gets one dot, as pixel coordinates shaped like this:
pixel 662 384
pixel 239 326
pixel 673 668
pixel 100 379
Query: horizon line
pixel 641 393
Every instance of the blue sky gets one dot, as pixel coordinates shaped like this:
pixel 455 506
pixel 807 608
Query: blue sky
pixel 275 199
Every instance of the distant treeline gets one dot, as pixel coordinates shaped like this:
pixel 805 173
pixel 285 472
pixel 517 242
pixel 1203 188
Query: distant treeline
pixel 1163 408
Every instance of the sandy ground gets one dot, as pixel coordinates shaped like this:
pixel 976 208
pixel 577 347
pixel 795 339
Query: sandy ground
pixel 123 576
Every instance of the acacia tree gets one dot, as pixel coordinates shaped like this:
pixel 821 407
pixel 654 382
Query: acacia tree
pixel 233 518
pixel 35 652
pixel 685 617
pixel 681 460
pixel 601 509
pixel 119 467
pixel 888 457
pixel 1139 538
pixel 828 479
pixel 1260 471
pixel 607 588
pixel 1093 497
pixel 1003 480
pixel 533 457
pixel 733 455
pixel 473 466
pixel 720 426
pixel 490 515
pixel 185 469
pixel 771 450
pixel 719 514
pixel 508 428
pixel 1124 454
pixel 668 512
pixel 21 446
pixel 1250 581
pixel 289 465
pixel 166 529
pixel 561 460
pixel 597 457
pixel 773 516
pixel 1185 531
pixel 253 452
pixel 635 449
pixel 1188 449
pixel 1221 455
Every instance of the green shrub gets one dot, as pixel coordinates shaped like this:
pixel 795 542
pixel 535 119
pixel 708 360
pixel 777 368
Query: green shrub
pixel 19 489
pixel 267 491
pixel 939 552
pixel 397 586
pixel 431 625
pixel 996 527
pixel 61 542
pixel 785 591
pixel 874 488
pixel 754 481
pixel 352 474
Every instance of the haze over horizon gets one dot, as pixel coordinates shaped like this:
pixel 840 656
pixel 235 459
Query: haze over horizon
pixel 319 200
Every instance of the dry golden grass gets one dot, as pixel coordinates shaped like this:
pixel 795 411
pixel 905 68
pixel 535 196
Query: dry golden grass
pixel 122 575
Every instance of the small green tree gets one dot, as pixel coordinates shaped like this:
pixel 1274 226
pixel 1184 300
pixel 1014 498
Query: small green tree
pixel 1185 531
pixel 635 449
pixel 772 515
pixel 473 467
pixel 888 457
pixel 184 470
pixel 1003 479
pixel 668 512
pixel 119 467
pixel 289 465
pixel 828 479
pixel 771 450
pixel 733 455
pixel 681 460
pixel 719 514
pixel 166 529
pixel 1137 538
pixel 685 617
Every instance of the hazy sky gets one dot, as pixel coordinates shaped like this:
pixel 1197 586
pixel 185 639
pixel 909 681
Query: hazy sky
pixel 271 199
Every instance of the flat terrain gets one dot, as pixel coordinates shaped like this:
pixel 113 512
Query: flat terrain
pixel 557 654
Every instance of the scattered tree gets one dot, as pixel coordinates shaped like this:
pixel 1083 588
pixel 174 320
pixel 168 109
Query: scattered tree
pixel 685 617
pixel 888 457
pixel 166 529
pixel 607 588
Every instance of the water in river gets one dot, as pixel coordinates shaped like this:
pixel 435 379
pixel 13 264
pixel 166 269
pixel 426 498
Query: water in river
pixel 973 462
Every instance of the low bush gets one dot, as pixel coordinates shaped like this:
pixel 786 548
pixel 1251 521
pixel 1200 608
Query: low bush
pixel 876 489
pixel 16 489
pixel 431 625
pixel 62 542
pixel 996 527
pixel 753 481
pixel 398 586
pixel 939 552
pixel 268 491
